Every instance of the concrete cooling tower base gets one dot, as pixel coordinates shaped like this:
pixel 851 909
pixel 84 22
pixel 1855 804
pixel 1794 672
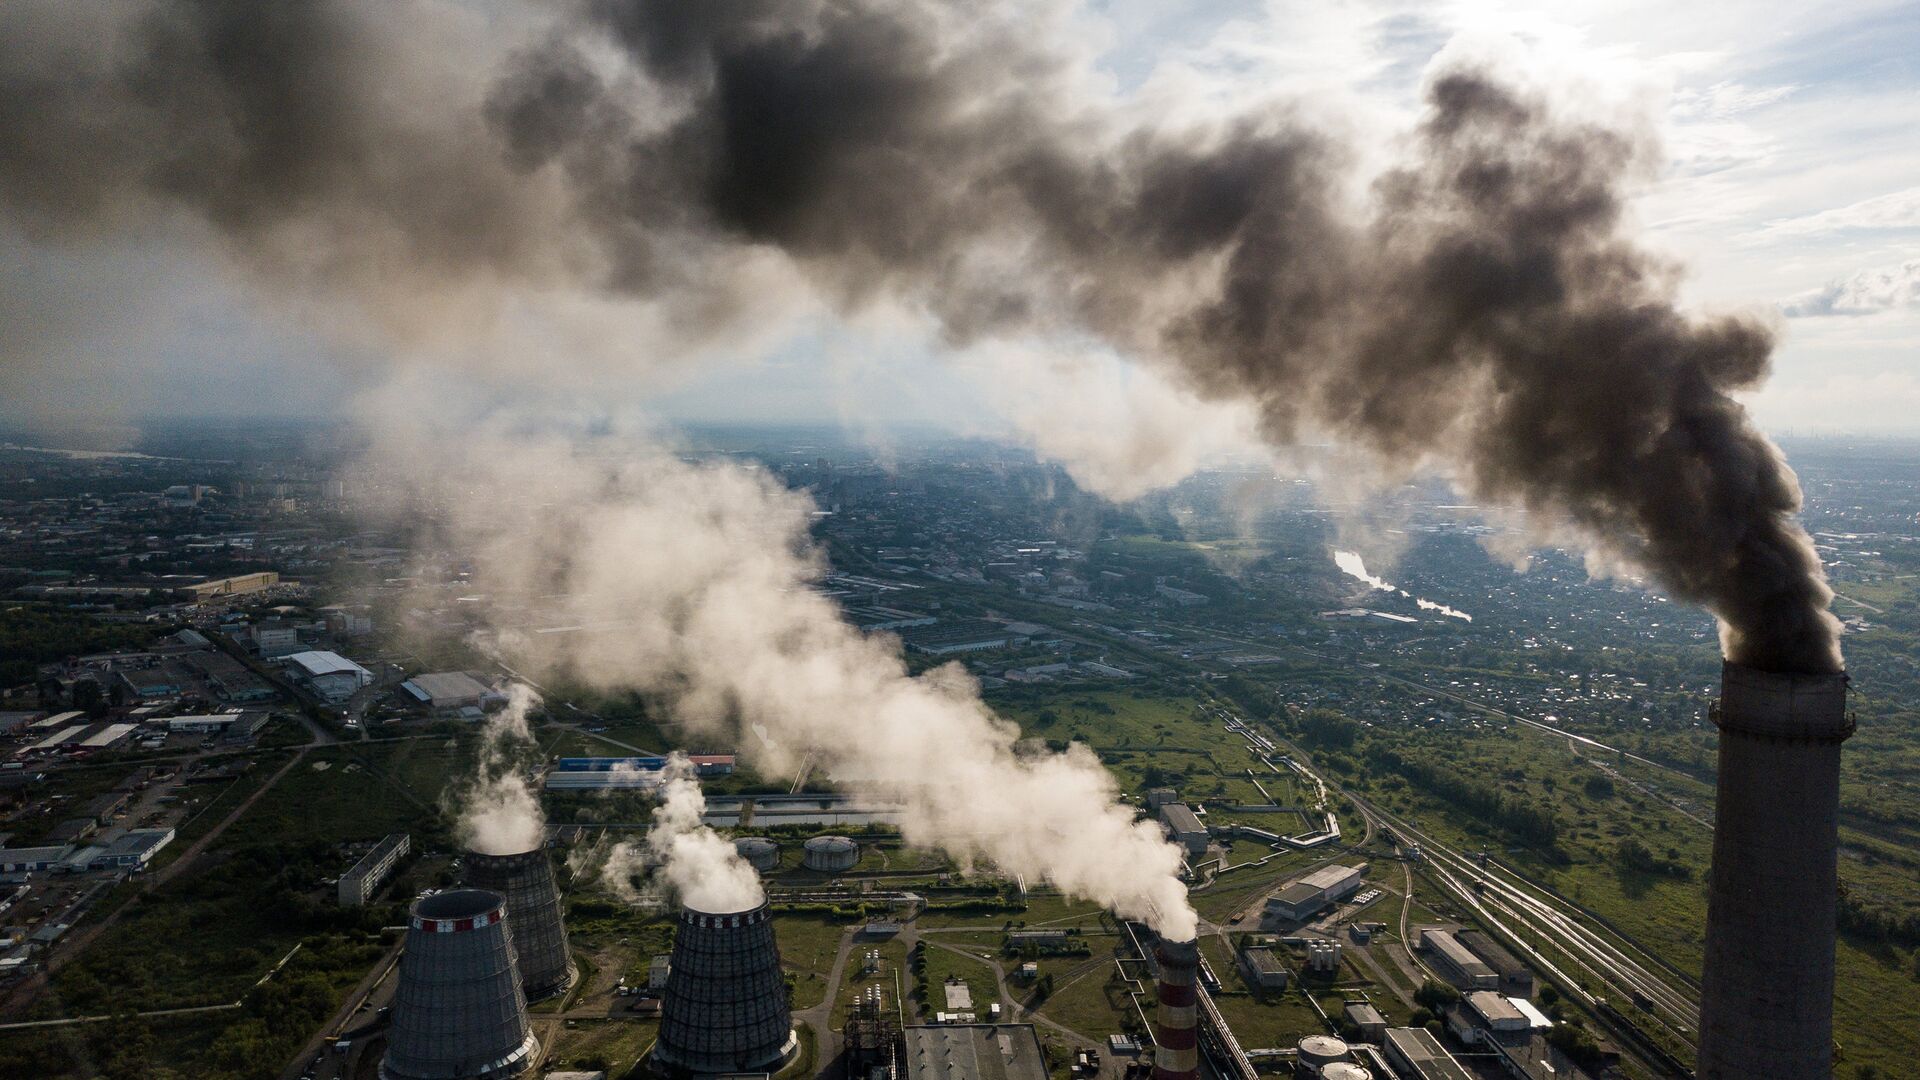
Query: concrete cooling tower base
pixel 1767 991
pixel 458 1013
pixel 726 1008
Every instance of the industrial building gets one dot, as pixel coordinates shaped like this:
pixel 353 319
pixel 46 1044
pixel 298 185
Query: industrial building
pixel 107 736
pixel 1483 1012
pixel 956 636
pixel 458 1010
pixel 273 639
pixel 726 1006
pixel 1185 827
pixel 830 854
pixel 974 1052
pixel 358 885
pixel 1264 969
pixel 1458 963
pixel 231 724
pixel 1417 1055
pixel 132 851
pixel 237 585
pixel 452 692
pixel 626 773
pixel 328 674
pixel 1367 1019
pixel 1308 896
pixel 31 860
pixel 1515 978
pixel 534 926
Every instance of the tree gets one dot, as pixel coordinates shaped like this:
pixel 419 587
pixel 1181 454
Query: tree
pixel 88 697
pixel 1435 996
pixel 1599 787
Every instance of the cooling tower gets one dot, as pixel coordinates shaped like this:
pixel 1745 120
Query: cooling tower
pixel 1766 1006
pixel 1176 1035
pixel 533 917
pixel 725 1009
pixel 458 1013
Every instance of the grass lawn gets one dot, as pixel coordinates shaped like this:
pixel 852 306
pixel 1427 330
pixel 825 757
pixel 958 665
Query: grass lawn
pixel 808 943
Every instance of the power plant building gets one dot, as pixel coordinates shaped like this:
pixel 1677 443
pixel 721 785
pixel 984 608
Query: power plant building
pixel 1417 1055
pixel 974 1052
pixel 1458 963
pixel 1315 892
pixel 458 1013
pixel 725 1009
pixel 534 926
pixel 1185 827
pixel 328 674
pixel 358 884
pixel 643 773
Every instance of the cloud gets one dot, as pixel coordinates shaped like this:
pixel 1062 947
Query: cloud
pixel 1864 293
pixel 1868 292
pixel 1893 210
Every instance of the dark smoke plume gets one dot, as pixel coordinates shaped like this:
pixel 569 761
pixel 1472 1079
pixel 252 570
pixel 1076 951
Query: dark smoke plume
pixel 1486 310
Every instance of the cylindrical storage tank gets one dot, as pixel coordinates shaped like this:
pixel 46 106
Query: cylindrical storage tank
pixel 1341 1070
pixel 458 1012
pixel 725 1009
pixel 1176 1024
pixel 831 854
pixel 761 853
pixel 1319 1051
pixel 534 927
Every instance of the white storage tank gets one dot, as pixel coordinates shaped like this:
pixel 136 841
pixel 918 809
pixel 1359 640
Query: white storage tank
pixel 1341 1070
pixel 761 853
pixel 1319 1051
pixel 831 854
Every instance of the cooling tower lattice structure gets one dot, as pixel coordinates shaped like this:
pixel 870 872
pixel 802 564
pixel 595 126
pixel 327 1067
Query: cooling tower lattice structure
pixel 533 917
pixel 1176 1034
pixel 725 1009
pixel 1766 1004
pixel 458 1013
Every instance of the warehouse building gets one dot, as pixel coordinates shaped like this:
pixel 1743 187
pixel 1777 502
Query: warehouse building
pixel 611 773
pixel 1417 1055
pixel 328 674
pixel 1264 970
pixel 1367 1019
pixel 974 1052
pixel 957 636
pixel 107 736
pixel 58 739
pixel 359 884
pixel 449 692
pixel 1314 893
pixel 1457 962
pixel 1185 827
pixel 31 860
pixel 1483 1016
pixel 232 586
pixel 1515 979
pixel 132 851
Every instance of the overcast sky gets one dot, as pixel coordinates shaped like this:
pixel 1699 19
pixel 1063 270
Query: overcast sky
pixel 1792 183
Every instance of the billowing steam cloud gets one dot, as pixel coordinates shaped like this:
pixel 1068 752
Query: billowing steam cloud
pixel 498 813
pixel 446 170
pixel 699 865
pixel 691 582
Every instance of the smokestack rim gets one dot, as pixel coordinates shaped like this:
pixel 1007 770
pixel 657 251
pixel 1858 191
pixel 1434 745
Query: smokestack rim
pixel 1782 706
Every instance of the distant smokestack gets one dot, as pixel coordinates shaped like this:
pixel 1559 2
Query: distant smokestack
pixel 725 1008
pixel 1766 1007
pixel 1176 1054
pixel 458 1010
pixel 534 926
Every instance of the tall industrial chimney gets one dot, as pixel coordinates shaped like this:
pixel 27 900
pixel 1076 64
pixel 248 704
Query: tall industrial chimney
pixel 458 1013
pixel 725 1009
pixel 534 927
pixel 1766 1006
pixel 1176 1036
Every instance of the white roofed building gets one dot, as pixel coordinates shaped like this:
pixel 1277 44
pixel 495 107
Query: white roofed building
pixel 330 675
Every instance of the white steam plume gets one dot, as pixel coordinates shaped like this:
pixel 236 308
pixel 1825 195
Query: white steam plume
pixel 692 581
pixel 698 864
pixel 499 814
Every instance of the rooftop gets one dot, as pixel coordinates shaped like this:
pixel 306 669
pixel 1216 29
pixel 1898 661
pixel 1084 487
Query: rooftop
pixel 317 663
pixel 974 1052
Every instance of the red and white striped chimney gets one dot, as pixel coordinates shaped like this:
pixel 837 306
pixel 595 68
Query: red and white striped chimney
pixel 1176 1054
